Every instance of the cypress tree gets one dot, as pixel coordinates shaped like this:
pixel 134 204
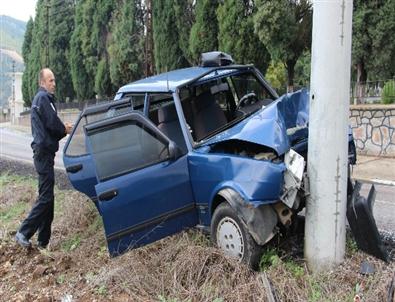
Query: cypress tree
pixel 204 33
pixel 83 82
pixel 36 57
pixel 26 48
pixel 167 50
pixel 61 22
pixel 236 34
pixel 126 48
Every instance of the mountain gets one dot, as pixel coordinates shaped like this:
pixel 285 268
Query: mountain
pixel 12 32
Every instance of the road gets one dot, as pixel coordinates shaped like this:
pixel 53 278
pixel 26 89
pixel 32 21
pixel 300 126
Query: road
pixel 16 145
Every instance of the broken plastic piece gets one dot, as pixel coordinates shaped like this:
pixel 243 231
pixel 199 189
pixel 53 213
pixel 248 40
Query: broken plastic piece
pixel 362 223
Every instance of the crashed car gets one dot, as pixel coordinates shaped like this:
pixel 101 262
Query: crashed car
pixel 212 147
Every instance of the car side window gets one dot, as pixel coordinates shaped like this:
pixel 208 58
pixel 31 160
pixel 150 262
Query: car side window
pixel 77 145
pixel 125 147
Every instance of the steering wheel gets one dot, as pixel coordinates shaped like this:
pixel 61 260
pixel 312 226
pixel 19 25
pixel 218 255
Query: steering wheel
pixel 247 99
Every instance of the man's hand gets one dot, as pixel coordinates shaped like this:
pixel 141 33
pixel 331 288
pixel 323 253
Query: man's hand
pixel 69 127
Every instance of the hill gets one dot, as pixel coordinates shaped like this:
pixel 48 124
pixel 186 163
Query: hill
pixel 12 32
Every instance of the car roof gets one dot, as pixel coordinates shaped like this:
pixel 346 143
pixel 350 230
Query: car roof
pixel 170 81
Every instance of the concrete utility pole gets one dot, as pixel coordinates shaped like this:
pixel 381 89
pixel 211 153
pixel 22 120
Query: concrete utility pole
pixel 328 129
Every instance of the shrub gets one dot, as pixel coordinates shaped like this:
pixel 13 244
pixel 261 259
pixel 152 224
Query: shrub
pixel 388 96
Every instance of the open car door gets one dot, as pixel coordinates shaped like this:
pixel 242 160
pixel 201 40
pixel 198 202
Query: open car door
pixel 143 187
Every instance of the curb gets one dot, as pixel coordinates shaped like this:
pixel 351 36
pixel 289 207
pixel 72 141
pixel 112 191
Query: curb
pixel 376 181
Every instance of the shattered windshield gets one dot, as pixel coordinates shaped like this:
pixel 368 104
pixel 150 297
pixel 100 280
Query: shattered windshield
pixel 221 99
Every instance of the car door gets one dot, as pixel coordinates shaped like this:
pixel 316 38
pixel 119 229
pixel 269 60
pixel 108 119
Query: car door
pixel 76 158
pixel 143 187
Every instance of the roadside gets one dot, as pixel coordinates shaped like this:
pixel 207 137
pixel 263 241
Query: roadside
pixel 375 170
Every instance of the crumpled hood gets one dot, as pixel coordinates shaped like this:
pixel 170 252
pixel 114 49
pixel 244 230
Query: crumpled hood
pixel 276 126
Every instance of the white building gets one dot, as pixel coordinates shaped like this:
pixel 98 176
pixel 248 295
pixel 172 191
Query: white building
pixel 15 102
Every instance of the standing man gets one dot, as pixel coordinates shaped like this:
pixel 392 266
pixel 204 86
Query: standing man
pixel 47 131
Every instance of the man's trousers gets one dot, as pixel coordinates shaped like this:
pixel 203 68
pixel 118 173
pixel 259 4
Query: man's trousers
pixel 41 215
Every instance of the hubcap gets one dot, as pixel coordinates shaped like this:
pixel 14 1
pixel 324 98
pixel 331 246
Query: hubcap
pixel 229 238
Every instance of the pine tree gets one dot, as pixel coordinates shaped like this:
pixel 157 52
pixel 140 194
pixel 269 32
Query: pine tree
pixel 236 34
pixel 204 33
pixel 284 27
pixel 126 48
pixel 167 50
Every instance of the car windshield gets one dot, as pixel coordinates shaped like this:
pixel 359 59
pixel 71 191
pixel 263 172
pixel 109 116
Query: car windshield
pixel 221 99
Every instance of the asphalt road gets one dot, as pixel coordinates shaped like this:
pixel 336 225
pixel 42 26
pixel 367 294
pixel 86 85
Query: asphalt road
pixel 15 145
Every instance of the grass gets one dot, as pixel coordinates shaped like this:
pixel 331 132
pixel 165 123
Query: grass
pixel 184 267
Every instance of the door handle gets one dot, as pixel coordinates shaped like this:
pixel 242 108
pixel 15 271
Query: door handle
pixel 74 168
pixel 108 195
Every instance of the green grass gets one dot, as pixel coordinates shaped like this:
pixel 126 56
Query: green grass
pixel 72 243
pixel 10 214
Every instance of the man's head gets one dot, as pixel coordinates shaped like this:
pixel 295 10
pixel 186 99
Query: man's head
pixel 47 80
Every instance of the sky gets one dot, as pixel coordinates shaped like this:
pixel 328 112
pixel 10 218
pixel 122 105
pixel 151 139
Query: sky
pixel 18 9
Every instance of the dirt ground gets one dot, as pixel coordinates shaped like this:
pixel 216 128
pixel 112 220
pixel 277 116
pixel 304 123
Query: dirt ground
pixel 184 267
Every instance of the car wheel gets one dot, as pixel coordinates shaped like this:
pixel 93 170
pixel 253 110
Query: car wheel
pixel 230 234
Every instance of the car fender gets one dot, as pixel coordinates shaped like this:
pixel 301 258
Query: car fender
pixel 260 220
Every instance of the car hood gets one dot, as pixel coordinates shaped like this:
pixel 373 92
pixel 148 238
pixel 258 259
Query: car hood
pixel 277 126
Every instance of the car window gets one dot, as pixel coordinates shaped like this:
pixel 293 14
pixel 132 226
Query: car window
pixel 77 145
pixel 248 83
pixel 125 147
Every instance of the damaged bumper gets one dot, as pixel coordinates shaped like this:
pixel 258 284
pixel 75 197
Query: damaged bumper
pixel 362 223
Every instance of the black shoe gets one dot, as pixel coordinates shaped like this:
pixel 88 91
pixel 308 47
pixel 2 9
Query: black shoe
pixel 41 245
pixel 22 240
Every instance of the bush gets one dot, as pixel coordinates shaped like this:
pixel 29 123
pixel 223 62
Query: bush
pixel 388 96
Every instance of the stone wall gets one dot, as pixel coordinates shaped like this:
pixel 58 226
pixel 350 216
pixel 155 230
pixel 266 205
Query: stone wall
pixel 65 116
pixel 374 129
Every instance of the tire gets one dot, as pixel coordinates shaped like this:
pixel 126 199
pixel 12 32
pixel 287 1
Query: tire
pixel 230 234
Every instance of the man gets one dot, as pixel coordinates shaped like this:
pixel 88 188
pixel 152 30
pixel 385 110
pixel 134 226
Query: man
pixel 47 130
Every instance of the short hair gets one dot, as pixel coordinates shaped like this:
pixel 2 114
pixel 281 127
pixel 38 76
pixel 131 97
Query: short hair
pixel 41 75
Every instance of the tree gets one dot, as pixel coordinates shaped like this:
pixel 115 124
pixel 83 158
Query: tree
pixel 61 23
pixel 185 18
pixel 284 27
pixel 83 81
pixel 204 33
pixel 167 50
pixel 36 57
pixel 126 49
pixel 383 58
pixel 236 34
pixel 26 48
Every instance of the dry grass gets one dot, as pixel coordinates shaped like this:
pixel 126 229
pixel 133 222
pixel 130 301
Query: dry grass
pixel 184 267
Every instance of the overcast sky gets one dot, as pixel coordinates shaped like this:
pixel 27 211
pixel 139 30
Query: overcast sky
pixel 18 9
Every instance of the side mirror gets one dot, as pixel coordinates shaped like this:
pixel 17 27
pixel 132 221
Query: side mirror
pixel 174 151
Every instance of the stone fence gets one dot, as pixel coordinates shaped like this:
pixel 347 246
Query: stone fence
pixel 66 116
pixel 373 127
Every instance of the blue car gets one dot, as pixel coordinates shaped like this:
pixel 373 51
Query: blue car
pixel 211 147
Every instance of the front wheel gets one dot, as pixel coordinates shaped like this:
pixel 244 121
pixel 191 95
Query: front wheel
pixel 230 234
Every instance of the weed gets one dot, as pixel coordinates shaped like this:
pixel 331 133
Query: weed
pixel 314 290
pixel 102 290
pixel 296 270
pixel 351 245
pixel 268 259
pixel 13 212
pixel 72 243
pixel 61 279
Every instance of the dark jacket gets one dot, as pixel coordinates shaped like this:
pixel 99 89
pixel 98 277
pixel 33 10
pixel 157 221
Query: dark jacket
pixel 47 128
